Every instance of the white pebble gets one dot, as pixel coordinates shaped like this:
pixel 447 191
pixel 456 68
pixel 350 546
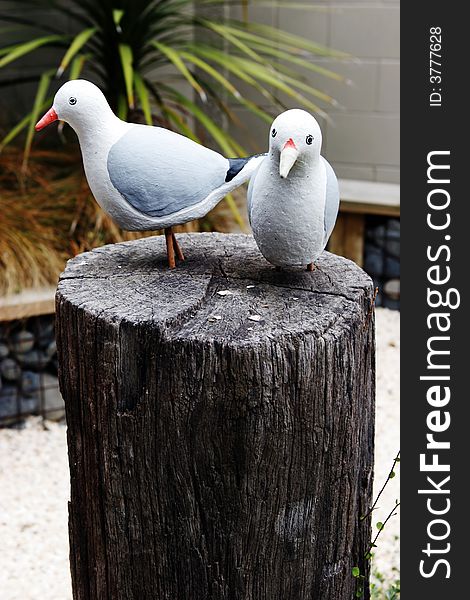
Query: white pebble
pixel 214 318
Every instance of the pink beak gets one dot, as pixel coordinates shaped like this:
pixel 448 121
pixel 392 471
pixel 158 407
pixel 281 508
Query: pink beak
pixel 47 119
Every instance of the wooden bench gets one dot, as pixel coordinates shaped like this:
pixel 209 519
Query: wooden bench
pixel 359 199
pixel 29 303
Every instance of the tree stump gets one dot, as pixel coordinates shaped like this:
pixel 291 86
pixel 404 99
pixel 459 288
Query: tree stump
pixel 220 423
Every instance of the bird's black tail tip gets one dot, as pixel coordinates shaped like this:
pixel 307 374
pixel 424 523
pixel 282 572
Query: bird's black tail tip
pixel 237 165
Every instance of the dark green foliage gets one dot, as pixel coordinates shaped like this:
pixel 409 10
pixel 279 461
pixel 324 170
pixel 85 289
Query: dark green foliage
pixel 126 47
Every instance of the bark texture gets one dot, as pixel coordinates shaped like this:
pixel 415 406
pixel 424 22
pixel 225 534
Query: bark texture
pixel 220 444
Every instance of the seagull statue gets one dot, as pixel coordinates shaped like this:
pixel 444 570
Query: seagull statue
pixel 293 197
pixel 144 177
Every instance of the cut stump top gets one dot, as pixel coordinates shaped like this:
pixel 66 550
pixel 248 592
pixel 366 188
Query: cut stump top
pixel 224 292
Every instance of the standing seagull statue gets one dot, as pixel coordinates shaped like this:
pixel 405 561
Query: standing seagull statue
pixel 144 177
pixel 293 197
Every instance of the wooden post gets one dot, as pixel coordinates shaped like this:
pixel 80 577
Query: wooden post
pixel 220 423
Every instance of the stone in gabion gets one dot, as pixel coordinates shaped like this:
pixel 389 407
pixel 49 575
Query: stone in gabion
pixel 36 359
pixel 374 261
pixel 29 405
pixel 376 233
pixel 10 369
pixel 53 401
pixel 22 342
pixel 393 248
pixel 387 236
pixel 392 289
pixel 11 405
pixel 45 332
pixel 51 349
pixel 26 349
pixel 8 401
pixel 391 303
pixel 7 392
pixel 392 267
pixel 30 382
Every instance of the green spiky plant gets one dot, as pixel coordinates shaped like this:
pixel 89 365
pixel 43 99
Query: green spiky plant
pixel 126 46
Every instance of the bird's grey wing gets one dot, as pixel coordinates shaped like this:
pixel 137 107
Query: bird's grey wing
pixel 332 200
pixel 160 172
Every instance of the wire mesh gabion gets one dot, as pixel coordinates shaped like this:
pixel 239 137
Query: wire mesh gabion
pixel 382 259
pixel 28 370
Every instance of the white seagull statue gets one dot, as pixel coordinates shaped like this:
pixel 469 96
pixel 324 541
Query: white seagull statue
pixel 293 197
pixel 144 177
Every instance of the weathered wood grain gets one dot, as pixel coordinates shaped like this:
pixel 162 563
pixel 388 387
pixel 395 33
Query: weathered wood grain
pixel 214 456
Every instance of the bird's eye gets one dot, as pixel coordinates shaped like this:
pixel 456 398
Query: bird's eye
pixel 309 140
pixel 72 101
pixel 273 133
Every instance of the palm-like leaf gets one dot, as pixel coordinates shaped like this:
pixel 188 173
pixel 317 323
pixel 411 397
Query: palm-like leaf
pixel 39 100
pixel 143 96
pixel 80 40
pixel 16 51
pixel 125 54
pixel 176 60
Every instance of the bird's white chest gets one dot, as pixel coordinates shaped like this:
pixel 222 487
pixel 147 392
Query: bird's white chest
pixel 95 149
pixel 287 215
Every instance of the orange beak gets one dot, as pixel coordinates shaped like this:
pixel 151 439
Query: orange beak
pixel 290 144
pixel 47 119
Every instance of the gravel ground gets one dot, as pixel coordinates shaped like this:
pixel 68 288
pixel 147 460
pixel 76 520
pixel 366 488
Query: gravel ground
pixel 34 489
pixel 387 439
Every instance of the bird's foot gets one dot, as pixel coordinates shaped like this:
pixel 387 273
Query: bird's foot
pixel 311 267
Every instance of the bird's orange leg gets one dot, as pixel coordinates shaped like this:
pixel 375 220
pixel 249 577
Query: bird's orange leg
pixel 179 252
pixel 170 250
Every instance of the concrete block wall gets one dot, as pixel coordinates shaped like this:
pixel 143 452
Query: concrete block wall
pixel 362 137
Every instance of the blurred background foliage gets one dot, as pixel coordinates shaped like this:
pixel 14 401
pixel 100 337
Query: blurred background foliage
pixel 180 64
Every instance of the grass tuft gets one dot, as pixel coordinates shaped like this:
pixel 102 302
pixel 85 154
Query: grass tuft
pixel 47 216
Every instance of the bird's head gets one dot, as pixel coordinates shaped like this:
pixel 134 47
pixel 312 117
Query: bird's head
pixel 78 103
pixel 295 137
